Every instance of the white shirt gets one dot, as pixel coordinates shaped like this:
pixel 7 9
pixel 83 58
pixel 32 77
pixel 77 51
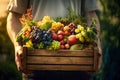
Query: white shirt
pixel 53 8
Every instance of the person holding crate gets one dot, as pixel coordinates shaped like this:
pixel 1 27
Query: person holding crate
pixel 53 8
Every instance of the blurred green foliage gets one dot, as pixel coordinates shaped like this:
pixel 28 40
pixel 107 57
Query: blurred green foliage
pixel 110 28
pixel 8 70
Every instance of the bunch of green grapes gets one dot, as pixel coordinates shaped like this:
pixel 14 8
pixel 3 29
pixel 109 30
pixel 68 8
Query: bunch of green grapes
pixel 81 33
pixel 55 45
pixel 85 34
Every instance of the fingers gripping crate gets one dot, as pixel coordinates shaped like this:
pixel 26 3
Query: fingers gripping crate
pixel 77 60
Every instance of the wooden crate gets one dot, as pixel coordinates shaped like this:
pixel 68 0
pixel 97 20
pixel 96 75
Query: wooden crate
pixel 77 60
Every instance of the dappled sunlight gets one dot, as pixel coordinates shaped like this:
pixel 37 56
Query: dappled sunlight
pixel 3 7
pixel 114 20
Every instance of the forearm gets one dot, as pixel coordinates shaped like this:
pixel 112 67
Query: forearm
pixel 90 15
pixel 13 26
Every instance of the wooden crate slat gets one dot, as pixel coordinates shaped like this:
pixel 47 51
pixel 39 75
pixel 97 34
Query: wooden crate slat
pixel 37 59
pixel 60 67
pixel 24 59
pixel 95 59
pixel 85 52
pixel 59 60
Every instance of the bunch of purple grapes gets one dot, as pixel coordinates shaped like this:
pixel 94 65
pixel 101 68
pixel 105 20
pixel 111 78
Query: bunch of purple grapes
pixel 46 37
pixel 37 35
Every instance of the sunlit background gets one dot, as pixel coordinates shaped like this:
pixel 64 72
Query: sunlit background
pixel 109 16
pixel 3 4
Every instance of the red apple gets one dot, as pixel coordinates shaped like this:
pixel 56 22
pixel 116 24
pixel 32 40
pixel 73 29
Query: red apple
pixel 72 40
pixel 54 36
pixel 62 47
pixel 60 32
pixel 60 37
pixel 67 46
pixel 62 42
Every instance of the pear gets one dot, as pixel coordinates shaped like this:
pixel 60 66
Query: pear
pixel 77 47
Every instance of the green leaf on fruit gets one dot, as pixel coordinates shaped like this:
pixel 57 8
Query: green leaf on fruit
pixel 25 39
pixel 46 26
pixel 19 36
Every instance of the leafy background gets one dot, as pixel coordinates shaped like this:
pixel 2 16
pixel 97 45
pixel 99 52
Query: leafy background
pixel 109 16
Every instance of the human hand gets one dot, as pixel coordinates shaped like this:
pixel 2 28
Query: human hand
pixel 100 54
pixel 18 58
pixel 99 61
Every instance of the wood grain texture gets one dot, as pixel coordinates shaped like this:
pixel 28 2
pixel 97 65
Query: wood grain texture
pixel 60 67
pixel 59 60
pixel 84 60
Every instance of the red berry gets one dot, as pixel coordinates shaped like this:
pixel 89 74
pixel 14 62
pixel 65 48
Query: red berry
pixel 62 47
pixel 67 46
pixel 62 42
pixel 60 37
